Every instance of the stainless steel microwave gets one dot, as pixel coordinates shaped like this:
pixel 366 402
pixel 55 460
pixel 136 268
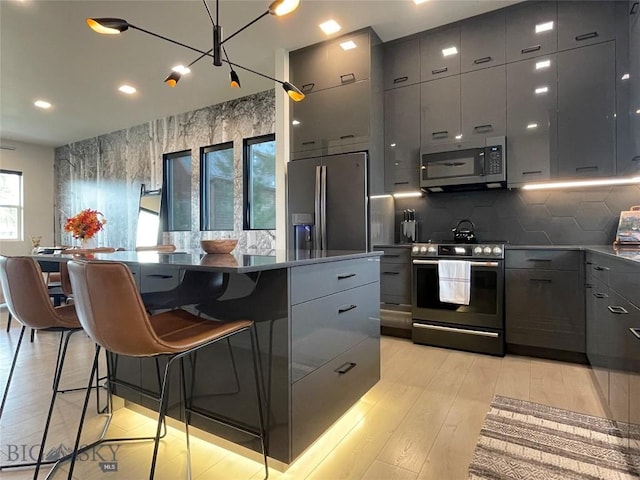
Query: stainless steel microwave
pixel 464 166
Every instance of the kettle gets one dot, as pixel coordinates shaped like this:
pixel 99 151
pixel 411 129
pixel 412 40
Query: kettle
pixel 463 234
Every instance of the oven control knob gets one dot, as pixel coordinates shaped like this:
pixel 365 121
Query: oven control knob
pixel 423 249
pixel 477 250
pixel 497 251
pixel 487 250
pixel 415 249
pixel 432 249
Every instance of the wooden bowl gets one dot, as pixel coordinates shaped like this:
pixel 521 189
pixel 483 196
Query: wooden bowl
pixel 218 246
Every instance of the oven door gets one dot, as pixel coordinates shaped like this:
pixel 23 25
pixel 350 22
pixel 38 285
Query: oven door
pixel 485 305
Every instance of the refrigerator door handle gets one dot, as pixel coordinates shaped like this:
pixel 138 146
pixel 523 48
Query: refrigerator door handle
pixel 317 228
pixel 323 205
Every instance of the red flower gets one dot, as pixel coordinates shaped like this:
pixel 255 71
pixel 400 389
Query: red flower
pixel 85 224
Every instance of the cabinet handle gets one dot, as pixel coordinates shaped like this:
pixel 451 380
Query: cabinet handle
pixel 541 280
pixel 341 370
pixel 634 8
pixel 347 78
pixel 533 48
pixel 346 309
pixel 538 260
pixel 617 310
pixel 160 276
pixel 586 36
pixel 636 158
pixel 600 295
pixel 400 79
pixel 309 143
pixel 401 183
pixel 478 61
pixel 344 137
pixel 388 255
pixel 587 169
pixel 342 276
pixel 533 172
pixel 391 273
pixel 439 70
pixel 586 285
pixel 636 331
pixel 601 269
pixel 483 128
pixel 442 134
pixel 307 87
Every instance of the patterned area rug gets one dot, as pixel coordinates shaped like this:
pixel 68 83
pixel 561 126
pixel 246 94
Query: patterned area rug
pixel 525 440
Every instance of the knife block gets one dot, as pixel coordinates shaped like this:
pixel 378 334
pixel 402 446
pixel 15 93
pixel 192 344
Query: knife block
pixel 408 231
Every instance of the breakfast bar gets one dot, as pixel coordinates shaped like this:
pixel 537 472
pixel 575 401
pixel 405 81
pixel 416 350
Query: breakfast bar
pixel 317 318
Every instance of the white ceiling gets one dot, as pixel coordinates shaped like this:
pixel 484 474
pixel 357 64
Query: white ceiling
pixel 47 51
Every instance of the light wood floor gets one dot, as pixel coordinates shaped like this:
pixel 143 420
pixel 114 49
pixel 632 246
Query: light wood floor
pixel 420 421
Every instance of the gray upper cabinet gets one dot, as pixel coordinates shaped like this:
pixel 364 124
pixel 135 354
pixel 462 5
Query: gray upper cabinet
pixel 586 108
pixel 483 103
pixel 531 30
pixel 584 23
pixel 483 42
pixel 532 121
pixel 402 64
pixel 307 68
pixel 440 53
pixel 440 111
pixel 402 138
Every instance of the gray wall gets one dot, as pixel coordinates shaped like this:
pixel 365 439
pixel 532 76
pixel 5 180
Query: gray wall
pixel 569 217
pixel 105 173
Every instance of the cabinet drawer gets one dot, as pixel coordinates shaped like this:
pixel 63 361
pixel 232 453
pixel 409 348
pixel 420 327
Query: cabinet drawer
pixel 395 255
pixel 315 281
pixel 395 279
pixel 598 269
pixel 322 397
pixel 326 327
pixel 624 278
pixel 544 259
pixel 158 278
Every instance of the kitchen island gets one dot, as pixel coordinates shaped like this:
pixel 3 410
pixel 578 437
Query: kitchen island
pixel 317 317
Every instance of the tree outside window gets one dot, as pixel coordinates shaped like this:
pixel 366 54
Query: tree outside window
pixel 10 205
pixel 260 183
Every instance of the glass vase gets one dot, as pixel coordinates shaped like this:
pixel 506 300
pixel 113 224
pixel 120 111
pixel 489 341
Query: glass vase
pixel 88 243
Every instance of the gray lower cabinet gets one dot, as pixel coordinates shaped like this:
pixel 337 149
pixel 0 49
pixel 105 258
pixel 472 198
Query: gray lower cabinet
pixel 544 299
pixel 401 64
pixel 586 111
pixel 532 121
pixel 440 111
pixel 440 53
pixel 483 103
pixel 531 30
pixel 585 23
pixel 483 41
pixel 395 287
pixel 402 139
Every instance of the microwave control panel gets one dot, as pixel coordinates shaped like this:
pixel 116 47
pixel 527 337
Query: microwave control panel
pixel 493 160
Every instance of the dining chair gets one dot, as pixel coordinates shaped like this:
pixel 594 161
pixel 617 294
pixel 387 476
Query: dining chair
pixel 130 331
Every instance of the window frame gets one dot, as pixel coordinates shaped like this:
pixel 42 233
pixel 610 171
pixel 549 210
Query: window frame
pixel 204 205
pixel 247 143
pixel 19 207
pixel 166 202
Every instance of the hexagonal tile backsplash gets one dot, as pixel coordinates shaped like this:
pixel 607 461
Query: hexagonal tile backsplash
pixel 569 217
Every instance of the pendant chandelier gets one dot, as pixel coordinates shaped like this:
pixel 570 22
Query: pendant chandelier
pixel 276 8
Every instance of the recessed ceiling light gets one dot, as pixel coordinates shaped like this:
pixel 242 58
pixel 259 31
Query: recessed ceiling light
pixel 531 126
pixel 330 26
pixel 544 27
pixel 392 145
pixel 348 45
pixel 458 137
pixel 42 104
pixel 181 69
pixel 626 76
pixel 128 89
pixel 541 90
pixel 295 122
pixel 638 111
pixel 543 64
pixel 418 2
pixel 447 52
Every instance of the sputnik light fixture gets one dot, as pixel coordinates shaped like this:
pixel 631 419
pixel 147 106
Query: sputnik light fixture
pixel 114 26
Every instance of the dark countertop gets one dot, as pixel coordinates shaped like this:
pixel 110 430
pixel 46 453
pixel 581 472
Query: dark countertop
pixel 393 245
pixel 632 255
pixel 237 261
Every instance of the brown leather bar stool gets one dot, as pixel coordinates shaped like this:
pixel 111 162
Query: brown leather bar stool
pixel 28 301
pixel 129 330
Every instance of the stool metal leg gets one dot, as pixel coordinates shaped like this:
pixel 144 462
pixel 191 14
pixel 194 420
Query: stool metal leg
pixel 13 366
pixel 9 322
pixel 259 390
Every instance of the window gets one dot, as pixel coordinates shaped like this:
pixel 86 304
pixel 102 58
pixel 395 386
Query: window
pixel 260 183
pixel 10 205
pixel 177 190
pixel 216 187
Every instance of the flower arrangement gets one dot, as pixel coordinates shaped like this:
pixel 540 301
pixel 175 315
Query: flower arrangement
pixel 85 224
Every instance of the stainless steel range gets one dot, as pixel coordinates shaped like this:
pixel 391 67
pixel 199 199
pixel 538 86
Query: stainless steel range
pixel 475 323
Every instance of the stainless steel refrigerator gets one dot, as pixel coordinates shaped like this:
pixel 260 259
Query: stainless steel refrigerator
pixel 328 204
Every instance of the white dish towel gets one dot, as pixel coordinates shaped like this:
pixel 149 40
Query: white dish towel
pixel 455 281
